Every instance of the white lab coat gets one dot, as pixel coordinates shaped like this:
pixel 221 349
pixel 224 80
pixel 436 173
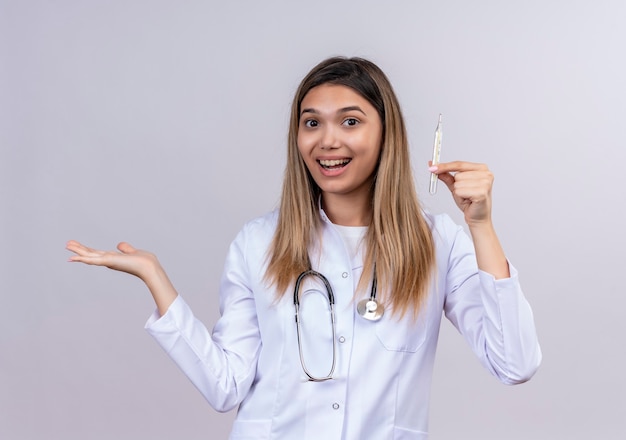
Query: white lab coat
pixel 381 385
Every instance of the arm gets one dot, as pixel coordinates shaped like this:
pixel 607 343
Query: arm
pixel 487 306
pixel 493 315
pixel 221 364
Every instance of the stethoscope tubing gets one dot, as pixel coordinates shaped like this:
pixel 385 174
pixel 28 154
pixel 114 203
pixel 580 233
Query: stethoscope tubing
pixel 369 309
pixel 331 304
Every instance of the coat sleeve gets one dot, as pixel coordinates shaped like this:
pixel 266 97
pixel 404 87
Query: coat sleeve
pixel 493 315
pixel 221 364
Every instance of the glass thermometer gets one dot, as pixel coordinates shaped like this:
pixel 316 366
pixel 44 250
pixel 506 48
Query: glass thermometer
pixel 436 154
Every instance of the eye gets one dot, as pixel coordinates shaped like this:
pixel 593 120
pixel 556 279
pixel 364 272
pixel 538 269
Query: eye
pixel 311 123
pixel 351 122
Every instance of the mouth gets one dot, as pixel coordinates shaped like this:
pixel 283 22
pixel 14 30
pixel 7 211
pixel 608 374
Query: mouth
pixel 333 164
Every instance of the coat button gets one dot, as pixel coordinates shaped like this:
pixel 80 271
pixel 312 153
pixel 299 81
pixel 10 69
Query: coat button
pixel 345 274
pixel 335 406
pixel 342 339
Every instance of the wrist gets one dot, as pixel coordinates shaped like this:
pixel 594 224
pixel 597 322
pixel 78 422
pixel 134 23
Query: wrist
pixel 147 268
pixel 489 253
pixel 152 273
pixel 481 226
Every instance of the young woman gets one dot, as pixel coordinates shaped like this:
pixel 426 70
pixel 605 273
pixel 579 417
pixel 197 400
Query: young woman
pixel 363 269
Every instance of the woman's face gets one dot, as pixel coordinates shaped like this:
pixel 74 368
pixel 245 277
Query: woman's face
pixel 339 138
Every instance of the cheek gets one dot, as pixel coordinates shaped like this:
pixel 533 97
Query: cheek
pixel 302 150
pixel 304 145
pixel 370 145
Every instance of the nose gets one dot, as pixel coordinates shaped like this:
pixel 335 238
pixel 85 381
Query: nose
pixel 330 138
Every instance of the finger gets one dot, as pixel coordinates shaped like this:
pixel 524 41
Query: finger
pixel 72 245
pixel 77 247
pixel 482 180
pixel 85 259
pixel 457 167
pixel 471 191
pixel 87 256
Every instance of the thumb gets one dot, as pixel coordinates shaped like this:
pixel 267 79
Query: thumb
pixel 444 176
pixel 448 179
pixel 125 248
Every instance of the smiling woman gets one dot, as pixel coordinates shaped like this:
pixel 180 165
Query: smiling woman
pixel 339 139
pixel 350 230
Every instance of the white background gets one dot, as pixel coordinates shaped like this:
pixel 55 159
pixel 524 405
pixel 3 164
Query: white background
pixel 163 123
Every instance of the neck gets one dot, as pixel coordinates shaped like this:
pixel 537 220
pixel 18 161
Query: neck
pixel 347 210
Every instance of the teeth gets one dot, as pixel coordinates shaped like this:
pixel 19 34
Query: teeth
pixel 334 162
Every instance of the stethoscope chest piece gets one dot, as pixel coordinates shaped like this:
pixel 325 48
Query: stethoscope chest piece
pixel 370 309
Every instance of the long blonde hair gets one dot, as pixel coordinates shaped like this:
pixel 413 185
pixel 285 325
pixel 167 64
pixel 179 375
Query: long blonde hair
pixel 399 242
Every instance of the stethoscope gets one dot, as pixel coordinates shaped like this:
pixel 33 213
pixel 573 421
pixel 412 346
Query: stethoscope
pixel 368 308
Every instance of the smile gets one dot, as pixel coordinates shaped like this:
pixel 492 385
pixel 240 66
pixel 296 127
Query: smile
pixel 334 164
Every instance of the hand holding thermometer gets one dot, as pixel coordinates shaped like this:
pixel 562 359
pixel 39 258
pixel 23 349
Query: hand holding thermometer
pixel 436 153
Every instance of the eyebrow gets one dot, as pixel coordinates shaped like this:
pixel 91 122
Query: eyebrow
pixel 341 110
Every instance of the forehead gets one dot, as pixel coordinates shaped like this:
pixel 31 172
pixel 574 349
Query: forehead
pixel 333 95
